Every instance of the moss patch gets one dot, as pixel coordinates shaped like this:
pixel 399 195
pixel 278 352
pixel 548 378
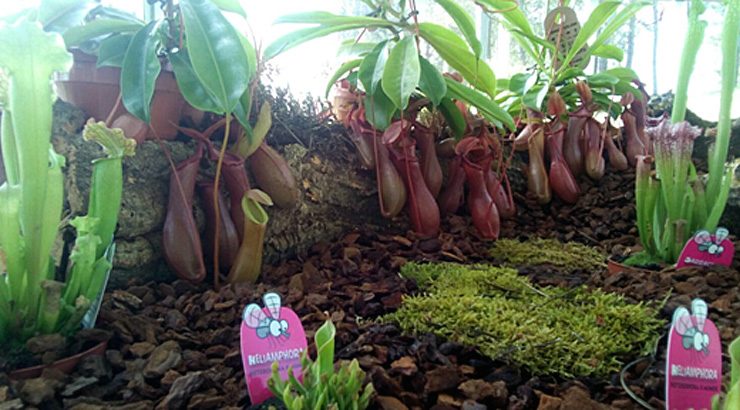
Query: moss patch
pixel 569 256
pixel 547 330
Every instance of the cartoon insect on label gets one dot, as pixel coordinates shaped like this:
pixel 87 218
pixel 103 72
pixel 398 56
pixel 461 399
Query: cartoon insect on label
pixel 705 249
pixel 269 334
pixel 694 365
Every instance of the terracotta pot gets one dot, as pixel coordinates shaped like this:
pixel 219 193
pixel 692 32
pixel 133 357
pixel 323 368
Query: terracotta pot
pixel 95 91
pixel 65 365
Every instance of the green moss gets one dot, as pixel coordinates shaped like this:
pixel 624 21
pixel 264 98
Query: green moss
pixel 547 330
pixel 569 256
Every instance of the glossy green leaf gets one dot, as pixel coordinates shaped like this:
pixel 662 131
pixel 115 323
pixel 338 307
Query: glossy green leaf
pixel 139 72
pixel 221 61
pixel 112 50
pixel 402 72
pixel 251 54
pixel 534 97
pixel 464 22
pixel 595 21
pixel 431 82
pixel 607 104
pixel 370 71
pixel 342 70
pixel 535 40
pixel 329 19
pixel 609 51
pixel 351 48
pixel 96 28
pixel 189 84
pixel 60 15
pixel 516 22
pixel 242 112
pixel 233 6
pixel 298 37
pixel 509 10
pixel 602 80
pixel 489 109
pixel 455 52
pixel 453 116
pixel 623 73
pixel 379 109
pixel 517 81
pixel 615 23
pixel 112 13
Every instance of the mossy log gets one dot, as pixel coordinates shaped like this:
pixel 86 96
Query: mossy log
pixel 336 196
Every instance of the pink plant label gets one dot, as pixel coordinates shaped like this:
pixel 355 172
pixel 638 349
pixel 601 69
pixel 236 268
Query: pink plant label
pixel 694 365
pixel 705 249
pixel 270 334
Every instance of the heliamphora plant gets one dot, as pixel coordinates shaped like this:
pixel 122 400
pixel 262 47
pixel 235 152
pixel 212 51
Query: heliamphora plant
pixel 673 202
pixel 32 301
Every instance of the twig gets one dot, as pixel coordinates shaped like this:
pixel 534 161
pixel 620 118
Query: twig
pixel 629 391
pixel 292 134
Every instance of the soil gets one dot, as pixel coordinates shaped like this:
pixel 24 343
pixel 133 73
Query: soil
pixel 175 345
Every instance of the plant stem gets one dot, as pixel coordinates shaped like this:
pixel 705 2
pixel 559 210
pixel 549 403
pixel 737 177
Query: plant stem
pixel 718 155
pixel 217 179
pixel 694 38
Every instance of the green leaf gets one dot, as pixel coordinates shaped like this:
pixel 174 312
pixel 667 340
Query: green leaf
pixel 324 340
pixel 251 54
pixel 431 83
pixel 60 15
pixel 371 69
pixel 489 109
pixel 455 52
pixel 535 40
pixel 241 112
pixel 623 73
pixel 343 69
pixel 139 72
pixel 602 79
pixel 96 28
pixel 402 72
pixel 509 10
pixel 351 48
pixel 112 13
pixel 328 19
pixel 464 22
pixel 298 37
pixel 219 58
pixel 517 23
pixel 113 49
pixel 29 56
pixel 595 21
pixel 233 6
pixel 609 51
pixel 379 110
pixel 734 351
pixel 615 23
pixel 535 97
pixel 453 116
pixel 190 87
